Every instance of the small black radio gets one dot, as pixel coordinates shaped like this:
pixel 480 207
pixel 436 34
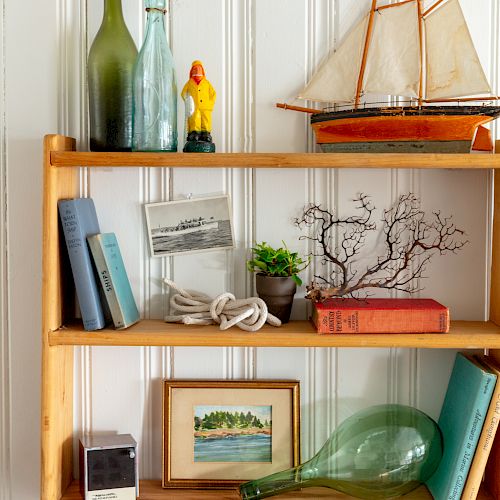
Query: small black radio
pixel 108 467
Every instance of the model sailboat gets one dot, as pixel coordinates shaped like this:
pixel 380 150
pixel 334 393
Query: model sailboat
pixel 401 50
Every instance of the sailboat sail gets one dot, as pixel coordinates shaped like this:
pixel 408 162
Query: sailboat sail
pixel 337 78
pixel 393 58
pixel 453 67
pixel 393 63
pixel 401 50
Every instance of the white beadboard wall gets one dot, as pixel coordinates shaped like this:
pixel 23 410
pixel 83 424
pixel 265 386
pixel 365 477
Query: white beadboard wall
pixel 255 53
pixel 5 433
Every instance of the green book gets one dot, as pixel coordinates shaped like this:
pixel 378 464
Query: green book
pixel 114 280
pixel 461 420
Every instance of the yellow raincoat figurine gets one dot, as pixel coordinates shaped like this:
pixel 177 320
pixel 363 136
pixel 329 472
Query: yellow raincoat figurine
pixel 199 97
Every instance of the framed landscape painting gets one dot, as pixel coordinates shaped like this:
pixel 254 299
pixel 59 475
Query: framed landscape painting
pixel 218 434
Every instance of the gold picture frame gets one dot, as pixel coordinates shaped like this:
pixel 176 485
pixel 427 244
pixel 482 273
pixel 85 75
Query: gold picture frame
pixel 209 424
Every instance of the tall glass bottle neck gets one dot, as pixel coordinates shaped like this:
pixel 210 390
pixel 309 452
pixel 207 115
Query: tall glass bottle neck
pixel 113 10
pixel 155 20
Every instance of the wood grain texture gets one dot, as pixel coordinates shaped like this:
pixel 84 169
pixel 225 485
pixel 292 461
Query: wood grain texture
pixel 152 490
pixel 495 258
pixel 462 335
pixel 276 160
pixel 495 251
pixel 57 363
pixel 57 184
pixel 398 128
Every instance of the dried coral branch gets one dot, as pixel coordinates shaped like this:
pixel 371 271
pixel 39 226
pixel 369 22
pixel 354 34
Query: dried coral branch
pixel 410 242
pixel 351 232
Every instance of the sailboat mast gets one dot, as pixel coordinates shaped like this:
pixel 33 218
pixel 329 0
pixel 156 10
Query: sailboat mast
pixel 421 42
pixel 365 54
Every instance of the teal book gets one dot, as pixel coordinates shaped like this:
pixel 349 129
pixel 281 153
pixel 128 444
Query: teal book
pixel 461 420
pixel 114 280
pixel 79 220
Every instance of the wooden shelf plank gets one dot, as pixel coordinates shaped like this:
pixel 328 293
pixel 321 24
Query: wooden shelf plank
pixel 462 335
pixel 275 160
pixel 152 490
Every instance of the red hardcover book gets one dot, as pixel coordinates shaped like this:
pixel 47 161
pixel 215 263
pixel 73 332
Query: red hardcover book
pixel 381 316
pixel 492 475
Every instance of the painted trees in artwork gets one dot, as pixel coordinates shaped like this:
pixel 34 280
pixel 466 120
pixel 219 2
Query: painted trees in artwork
pixel 228 420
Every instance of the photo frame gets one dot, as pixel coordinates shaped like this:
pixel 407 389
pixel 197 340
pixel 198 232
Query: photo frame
pixel 188 226
pixel 219 434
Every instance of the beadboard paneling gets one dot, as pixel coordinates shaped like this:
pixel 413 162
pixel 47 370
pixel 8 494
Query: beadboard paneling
pixel 29 65
pixel 256 53
pixel 234 45
pixel 5 370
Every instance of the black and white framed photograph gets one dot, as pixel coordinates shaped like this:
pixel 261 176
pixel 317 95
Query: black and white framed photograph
pixel 191 225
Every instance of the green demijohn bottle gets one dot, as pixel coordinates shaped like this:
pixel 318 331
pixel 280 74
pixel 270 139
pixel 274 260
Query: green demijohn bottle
pixel 384 451
pixel 110 67
pixel 155 88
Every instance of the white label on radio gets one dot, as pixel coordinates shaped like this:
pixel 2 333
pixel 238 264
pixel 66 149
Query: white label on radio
pixel 112 494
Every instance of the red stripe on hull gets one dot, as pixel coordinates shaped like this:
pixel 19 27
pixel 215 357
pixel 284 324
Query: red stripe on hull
pixel 399 128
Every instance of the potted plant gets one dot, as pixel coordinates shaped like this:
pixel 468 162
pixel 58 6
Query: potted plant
pixel 277 277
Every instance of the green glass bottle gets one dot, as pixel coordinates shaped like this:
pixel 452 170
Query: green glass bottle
pixel 110 66
pixel 382 452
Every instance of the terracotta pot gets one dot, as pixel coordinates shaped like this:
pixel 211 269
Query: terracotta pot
pixel 277 293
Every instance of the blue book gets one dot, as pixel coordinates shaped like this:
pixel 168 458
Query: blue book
pixel 461 420
pixel 114 280
pixel 79 220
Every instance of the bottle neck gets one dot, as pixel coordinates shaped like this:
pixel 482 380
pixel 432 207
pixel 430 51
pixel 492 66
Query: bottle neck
pixel 155 20
pixel 279 482
pixel 113 11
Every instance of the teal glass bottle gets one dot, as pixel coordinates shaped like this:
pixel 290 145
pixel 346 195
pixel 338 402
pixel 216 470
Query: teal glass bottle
pixel 382 452
pixel 110 69
pixel 155 88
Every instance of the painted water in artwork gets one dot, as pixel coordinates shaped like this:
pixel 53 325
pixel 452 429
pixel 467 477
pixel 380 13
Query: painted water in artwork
pixel 232 433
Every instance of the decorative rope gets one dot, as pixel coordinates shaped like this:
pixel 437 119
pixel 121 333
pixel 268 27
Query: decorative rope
pixel 196 308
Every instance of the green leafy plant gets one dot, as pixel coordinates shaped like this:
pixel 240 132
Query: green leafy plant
pixel 276 262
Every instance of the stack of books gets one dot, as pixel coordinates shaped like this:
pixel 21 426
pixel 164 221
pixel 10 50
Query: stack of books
pixel 102 286
pixel 468 421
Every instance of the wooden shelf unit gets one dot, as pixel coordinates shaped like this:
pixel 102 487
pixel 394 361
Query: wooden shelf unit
pixel 276 160
pixel 462 335
pixel 152 490
pixel 61 174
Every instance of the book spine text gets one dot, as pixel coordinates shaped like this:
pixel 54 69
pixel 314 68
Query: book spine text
pixel 380 321
pixel 76 225
pixel 114 280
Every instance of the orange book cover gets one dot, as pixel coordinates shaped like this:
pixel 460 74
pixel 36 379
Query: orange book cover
pixel 380 316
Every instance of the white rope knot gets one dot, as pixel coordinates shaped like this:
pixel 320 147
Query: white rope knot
pixel 196 308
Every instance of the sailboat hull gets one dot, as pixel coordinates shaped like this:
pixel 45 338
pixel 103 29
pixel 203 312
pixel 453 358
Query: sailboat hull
pixel 431 129
pixel 398 147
